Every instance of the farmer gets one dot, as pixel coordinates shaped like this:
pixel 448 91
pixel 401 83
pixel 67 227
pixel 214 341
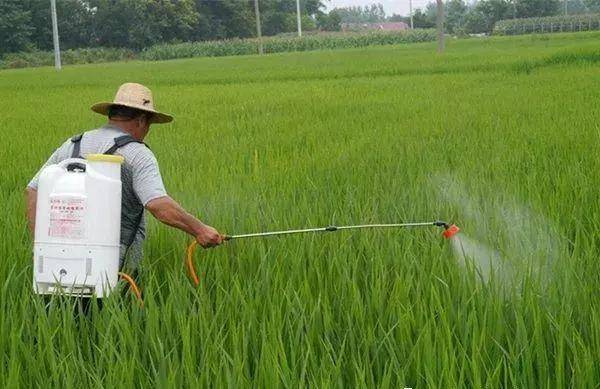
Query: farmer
pixel 129 118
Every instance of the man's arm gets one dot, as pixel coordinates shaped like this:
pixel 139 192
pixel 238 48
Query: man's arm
pixel 31 199
pixel 168 211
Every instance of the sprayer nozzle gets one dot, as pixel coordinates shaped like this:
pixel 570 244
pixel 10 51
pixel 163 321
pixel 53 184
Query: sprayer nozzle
pixel 440 223
pixel 450 231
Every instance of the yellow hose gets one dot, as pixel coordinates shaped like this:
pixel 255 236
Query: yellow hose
pixel 190 263
pixel 134 287
pixel 190 260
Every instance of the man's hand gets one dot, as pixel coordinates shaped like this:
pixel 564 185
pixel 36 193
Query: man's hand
pixel 209 237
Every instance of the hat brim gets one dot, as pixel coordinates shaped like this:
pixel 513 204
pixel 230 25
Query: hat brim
pixel 157 117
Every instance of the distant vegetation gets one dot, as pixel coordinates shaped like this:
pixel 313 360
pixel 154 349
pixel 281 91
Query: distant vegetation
pixel 549 24
pixel 278 45
pixel 69 57
pixel 110 30
pixel 467 17
pixel 219 48
pixel 25 25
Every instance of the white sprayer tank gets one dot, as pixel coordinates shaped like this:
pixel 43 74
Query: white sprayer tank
pixel 77 227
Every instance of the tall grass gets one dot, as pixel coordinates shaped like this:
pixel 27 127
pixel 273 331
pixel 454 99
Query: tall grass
pixel 302 139
pixel 282 44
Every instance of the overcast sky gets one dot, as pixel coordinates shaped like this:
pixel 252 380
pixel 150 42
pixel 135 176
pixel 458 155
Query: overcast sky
pixel 391 6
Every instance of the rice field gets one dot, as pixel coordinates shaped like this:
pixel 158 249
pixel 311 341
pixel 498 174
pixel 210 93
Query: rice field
pixel 500 136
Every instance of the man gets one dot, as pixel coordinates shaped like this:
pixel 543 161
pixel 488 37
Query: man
pixel 129 118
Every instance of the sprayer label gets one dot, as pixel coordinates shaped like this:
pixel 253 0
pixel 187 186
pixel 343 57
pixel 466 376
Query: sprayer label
pixel 67 218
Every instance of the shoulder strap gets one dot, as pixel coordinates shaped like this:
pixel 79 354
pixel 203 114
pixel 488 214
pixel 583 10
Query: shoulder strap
pixel 76 140
pixel 120 142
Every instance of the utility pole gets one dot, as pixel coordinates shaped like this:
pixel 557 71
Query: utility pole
pixel 258 30
pixel 440 25
pixel 57 63
pixel 299 18
pixel 566 7
pixel 410 11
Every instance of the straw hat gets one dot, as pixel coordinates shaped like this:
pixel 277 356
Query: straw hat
pixel 134 96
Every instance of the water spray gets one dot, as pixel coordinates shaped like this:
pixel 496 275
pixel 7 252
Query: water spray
pixel 450 230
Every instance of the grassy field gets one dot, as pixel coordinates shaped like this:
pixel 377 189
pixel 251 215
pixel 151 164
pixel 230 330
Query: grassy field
pixel 500 136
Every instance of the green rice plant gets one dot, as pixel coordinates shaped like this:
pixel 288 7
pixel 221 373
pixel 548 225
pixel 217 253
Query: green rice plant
pixel 370 134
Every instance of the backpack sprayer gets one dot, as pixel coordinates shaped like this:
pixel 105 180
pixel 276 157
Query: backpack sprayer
pixel 77 228
pixel 78 224
pixel 449 231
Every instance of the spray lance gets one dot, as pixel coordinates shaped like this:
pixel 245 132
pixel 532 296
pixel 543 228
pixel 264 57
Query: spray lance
pixel 449 231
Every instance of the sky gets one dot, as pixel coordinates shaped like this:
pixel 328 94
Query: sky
pixel 390 6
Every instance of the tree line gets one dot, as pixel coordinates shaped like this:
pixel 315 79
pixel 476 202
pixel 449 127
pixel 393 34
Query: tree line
pixel 26 24
pixel 469 17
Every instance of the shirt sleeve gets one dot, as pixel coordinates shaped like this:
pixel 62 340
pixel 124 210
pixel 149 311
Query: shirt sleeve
pixel 147 181
pixel 55 158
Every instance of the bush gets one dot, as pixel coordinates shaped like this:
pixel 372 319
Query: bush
pixel 549 24
pixel 68 57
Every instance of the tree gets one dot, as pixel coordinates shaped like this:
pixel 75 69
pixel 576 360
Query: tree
pixel 456 11
pixel 311 7
pixel 15 29
pixel 431 11
pixel 280 15
pixel 329 22
pixel 537 8
pixel 141 23
pixel 224 19
pixel 422 20
pixel 74 20
pixel 26 24
pixel 592 5
pixel 373 13
pixel 485 14
pixel 175 19
pixel 576 7
pixel 399 18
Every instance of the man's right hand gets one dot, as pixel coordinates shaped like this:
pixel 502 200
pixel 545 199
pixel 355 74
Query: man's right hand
pixel 209 237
